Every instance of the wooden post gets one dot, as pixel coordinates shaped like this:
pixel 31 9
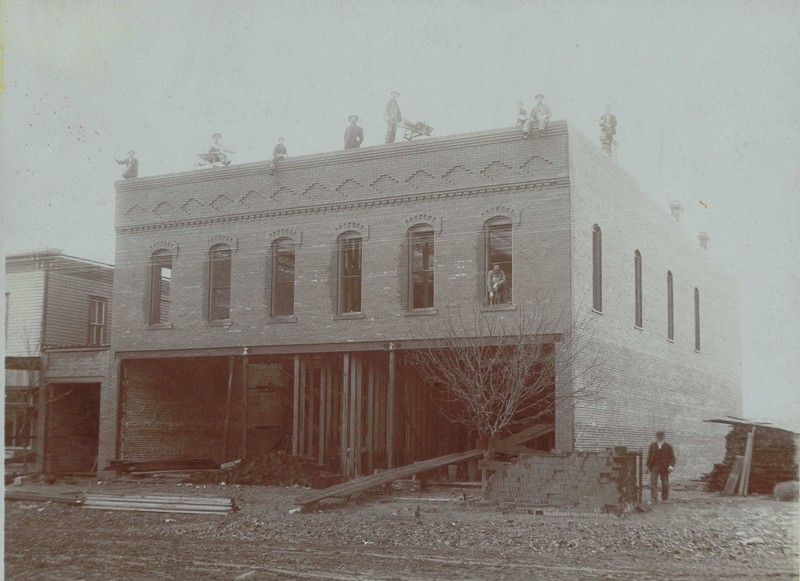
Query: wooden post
pixel 302 435
pixel 245 392
pixel 370 415
pixel 744 482
pixel 345 407
pixel 310 388
pixel 296 409
pixel 390 410
pixel 330 413
pixel 357 423
pixel 228 404
pixel 323 420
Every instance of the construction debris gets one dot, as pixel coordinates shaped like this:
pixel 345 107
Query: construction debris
pixel 273 469
pixel 163 465
pixel 73 498
pixel 171 504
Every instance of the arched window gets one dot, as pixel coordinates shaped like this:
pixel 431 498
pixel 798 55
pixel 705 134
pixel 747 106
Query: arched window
pixel 499 266
pixel 349 295
pixel 420 267
pixel 160 286
pixel 597 269
pixel 637 266
pixel 283 256
pixel 219 283
pixel 696 319
pixel 670 309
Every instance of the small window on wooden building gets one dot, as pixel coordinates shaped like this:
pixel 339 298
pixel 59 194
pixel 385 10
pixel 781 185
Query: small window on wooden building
pixel 160 286
pixel 349 291
pixel 498 251
pixel 98 307
pixel 283 257
pixel 219 283
pixel 670 309
pixel 696 319
pixel 637 267
pixel 597 269
pixel 420 267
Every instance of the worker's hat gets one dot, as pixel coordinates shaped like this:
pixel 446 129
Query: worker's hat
pixel 216 135
pixel 538 96
pixel 353 117
pixel 395 93
pixel 131 152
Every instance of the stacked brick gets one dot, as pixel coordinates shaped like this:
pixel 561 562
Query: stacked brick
pixel 593 482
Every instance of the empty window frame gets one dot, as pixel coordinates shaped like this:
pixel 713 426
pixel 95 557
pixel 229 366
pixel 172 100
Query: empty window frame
pixel 670 309
pixel 219 283
pixel 420 243
pixel 160 286
pixel 597 269
pixel 349 291
pixel 283 259
pixel 498 251
pixel 637 267
pixel 696 319
pixel 98 308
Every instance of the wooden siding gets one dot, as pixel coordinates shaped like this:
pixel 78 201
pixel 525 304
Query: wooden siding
pixel 24 313
pixel 68 308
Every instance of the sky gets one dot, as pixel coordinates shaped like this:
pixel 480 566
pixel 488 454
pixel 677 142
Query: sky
pixel 706 93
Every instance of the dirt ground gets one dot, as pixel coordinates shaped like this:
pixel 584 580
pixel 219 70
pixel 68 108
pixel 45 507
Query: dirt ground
pixel 695 536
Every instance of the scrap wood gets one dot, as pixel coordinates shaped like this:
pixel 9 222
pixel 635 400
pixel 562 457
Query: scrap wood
pixel 162 464
pixel 153 503
pixel 74 498
pixel 386 476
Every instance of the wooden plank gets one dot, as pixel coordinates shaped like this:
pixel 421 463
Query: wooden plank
pixel 296 409
pixel 345 407
pixel 733 477
pixel 228 405
pixel 370 415
pixel 358 445
pixel 744 482
pixel 323 413
pixel 309 423
pixel 245 392
pixel 387 476
pixel 32 496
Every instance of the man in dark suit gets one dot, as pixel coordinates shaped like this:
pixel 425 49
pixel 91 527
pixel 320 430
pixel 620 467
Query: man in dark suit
pixel 353 135
pixel 660 462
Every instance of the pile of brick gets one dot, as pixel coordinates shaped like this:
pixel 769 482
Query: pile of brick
pixel 274 469
pixel 595 482
pixel 774 458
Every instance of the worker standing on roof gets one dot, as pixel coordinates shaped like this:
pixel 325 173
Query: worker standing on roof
pixel 392 116
pixel 353 135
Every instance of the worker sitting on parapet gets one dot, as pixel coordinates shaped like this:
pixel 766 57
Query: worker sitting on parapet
pixel 496 285
pixel 522 114
pixel 540 115
pixel 131 165
pixel 217 153
pixel 278 152
pixel 608 128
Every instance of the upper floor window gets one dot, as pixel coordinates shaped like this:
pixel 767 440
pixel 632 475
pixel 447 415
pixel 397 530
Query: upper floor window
pixel 421 267
pixel 98 307
pixel 349 295
pixel 498 260
pixel 670 309
pixel 160 286
pixel 219 283
pixel 696 319
pixel 637 267
pixel 597 268
pixel 283 253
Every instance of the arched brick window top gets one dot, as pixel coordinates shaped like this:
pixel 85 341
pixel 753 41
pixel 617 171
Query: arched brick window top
pixel 293 234
pixel 424 220
pixel 512 215
pixel 359 228
pixel 220 240
pixel 164 247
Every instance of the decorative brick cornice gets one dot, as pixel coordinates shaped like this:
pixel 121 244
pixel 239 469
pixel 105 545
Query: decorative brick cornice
pixel 532 185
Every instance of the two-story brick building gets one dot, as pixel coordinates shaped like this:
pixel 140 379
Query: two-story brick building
pixel 258 309
pixel 58 318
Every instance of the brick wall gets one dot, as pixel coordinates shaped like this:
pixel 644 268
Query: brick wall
pixel 587 481
pixel 650 382
pixel 71 427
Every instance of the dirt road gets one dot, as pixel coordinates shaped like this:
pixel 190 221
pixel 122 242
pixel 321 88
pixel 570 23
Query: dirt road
pixel 695 536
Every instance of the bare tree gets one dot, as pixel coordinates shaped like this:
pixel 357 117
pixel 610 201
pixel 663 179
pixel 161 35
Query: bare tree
pixel 495 369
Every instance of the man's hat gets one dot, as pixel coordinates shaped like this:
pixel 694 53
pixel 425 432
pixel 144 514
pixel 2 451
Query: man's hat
pixel 395 93
pixel 660 433
pixel 353 117
pixel 216 135
pixel 131 152
pixel 539 95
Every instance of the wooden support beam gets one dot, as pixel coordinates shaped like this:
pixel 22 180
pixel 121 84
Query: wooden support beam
pixel 228 405
pixel 323 412
pixel 296 408
pixel 370 415
pixel 245 393
pixel 311 388
pixel 358 441
pixel 302 435
pixel 345 410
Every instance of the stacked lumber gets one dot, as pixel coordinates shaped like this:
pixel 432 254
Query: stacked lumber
pixel 774 459
pixel 153 503
pixel 75 498
pixel 169 464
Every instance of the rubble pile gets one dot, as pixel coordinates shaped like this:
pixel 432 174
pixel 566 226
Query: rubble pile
pixel 774 459
pixel 274 469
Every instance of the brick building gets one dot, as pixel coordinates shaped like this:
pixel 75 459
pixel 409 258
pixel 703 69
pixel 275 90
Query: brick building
pixel 57 342
pixel 257 310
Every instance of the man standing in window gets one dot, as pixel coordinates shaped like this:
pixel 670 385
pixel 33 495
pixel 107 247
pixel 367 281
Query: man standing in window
pixel 496 285
pixel 353 135
pixel 660 462
pixel 392 116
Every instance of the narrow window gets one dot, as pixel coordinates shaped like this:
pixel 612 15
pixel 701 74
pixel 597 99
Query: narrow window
pixel 97 320
pixel 670 309
pixel 499 265
pixel 219 279
pixel 160 286
pixel 421 267
pixel 637 265
pixel 283 278
pixel 349 273
pixel 696 319
pixel 597 269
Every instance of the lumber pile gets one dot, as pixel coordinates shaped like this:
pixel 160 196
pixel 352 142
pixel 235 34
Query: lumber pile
pixel 75 498
pixel 165 465
pixel 153 503
pixel 774 459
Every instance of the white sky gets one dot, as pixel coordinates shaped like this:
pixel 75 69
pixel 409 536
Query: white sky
pixel 707 95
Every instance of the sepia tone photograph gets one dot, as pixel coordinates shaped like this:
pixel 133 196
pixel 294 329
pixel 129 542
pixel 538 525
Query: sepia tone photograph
pixel 400 290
